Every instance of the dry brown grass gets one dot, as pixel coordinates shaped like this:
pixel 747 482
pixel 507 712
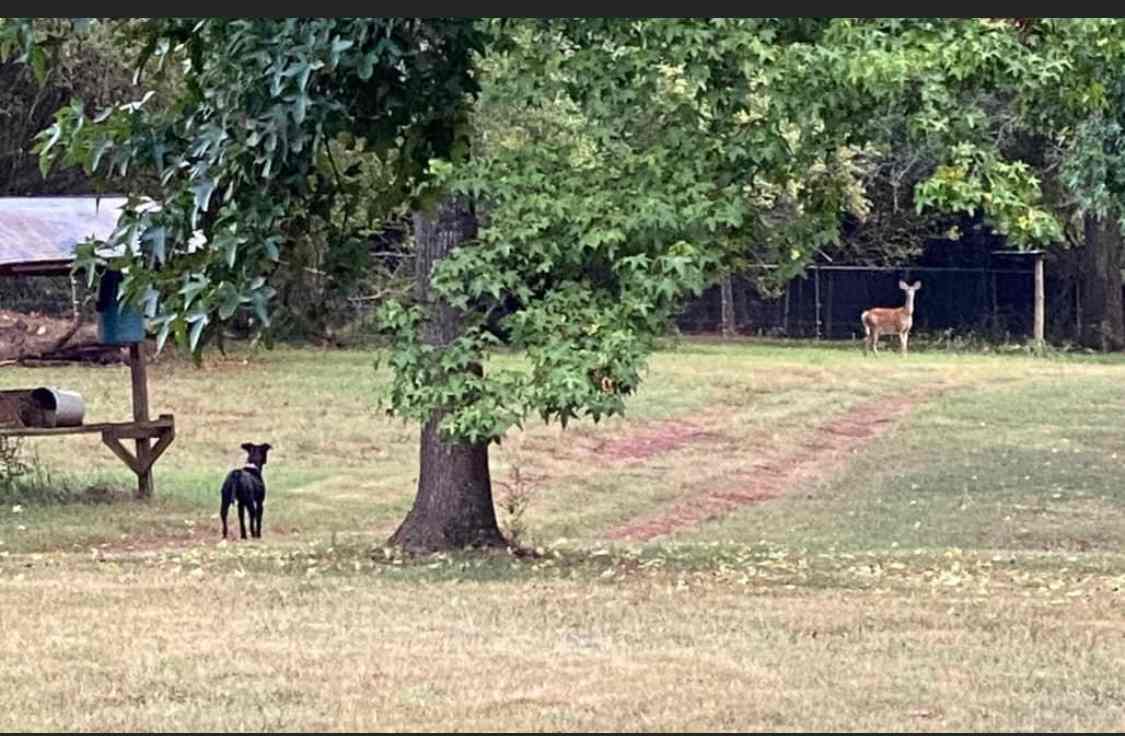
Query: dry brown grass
pixel 131 648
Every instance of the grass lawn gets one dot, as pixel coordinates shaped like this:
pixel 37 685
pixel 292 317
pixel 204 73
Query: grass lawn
pixel 777 537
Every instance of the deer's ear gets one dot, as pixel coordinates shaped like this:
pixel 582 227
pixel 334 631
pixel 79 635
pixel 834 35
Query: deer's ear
pixel 917 285
pixel 902 285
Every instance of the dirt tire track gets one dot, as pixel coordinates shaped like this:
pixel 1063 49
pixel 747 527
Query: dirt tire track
pixel 656 439
pixel 820 454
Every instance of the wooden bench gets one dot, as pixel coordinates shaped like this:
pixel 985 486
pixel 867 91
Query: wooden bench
pixel 163 430
pixel 141 430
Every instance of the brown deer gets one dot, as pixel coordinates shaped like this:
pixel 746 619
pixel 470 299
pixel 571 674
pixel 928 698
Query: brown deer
pixel 890 321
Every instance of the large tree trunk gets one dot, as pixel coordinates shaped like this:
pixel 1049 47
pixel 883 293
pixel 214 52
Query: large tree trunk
pixel 453 507
pixel 1103 319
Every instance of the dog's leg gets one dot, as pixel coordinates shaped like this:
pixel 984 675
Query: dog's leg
pixel 226 496
pixel 260 505
pixel 242 518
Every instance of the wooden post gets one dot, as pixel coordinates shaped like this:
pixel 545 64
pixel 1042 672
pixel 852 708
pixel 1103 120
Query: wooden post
pixel 1039 300
pixel 816 294
pixel 785 317
pixel 1077 308
pixel 995 301
pixel 140 414
pixel 74 298
pixel 742 306
pixel 828 306
pixel 798 303
pixel 726 299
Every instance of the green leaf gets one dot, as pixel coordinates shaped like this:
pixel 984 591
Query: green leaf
pixel 202 192
pixel 300 108
pixel 366 65
pixel 52 136
pixel 103 145
pixel 156 237
pixel 229 301
pixel 258 299
pixel 197 326
pixel 38 60
pixel 162 334
pixel 192 288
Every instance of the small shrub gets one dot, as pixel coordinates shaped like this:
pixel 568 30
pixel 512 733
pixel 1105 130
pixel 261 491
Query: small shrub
pixel 513 501
pixel 13 466
pixel 26 481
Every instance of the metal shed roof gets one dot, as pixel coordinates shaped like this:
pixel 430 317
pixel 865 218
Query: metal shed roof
pixel 39 234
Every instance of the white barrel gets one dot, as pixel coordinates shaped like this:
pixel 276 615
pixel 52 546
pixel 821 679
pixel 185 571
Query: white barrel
pixel 60 408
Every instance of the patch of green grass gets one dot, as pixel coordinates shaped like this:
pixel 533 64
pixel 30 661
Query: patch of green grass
pixel 1030 463
pixel 341 465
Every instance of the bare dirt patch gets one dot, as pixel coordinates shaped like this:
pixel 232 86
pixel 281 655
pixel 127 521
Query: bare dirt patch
pixel 775 470
pixel 656 439
pixel 27 338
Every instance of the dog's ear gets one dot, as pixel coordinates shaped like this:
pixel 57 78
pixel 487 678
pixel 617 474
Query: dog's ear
pixel 247 446
pixel 266 447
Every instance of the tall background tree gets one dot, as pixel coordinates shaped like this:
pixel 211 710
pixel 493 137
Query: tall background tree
pixel 252 167
pixel 32 90
pixel 638 157
pixel 1079 123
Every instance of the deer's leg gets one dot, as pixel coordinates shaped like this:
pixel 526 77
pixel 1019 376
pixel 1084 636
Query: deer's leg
pixel 875 340
pixel 902 339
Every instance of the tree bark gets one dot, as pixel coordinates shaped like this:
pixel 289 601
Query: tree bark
pixel 1103 317
pixel 726 291
pixel 453 506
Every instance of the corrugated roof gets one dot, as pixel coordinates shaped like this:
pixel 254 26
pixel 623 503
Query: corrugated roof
pixel 45 230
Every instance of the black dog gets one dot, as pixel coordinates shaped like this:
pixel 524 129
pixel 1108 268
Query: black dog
pixel 247 487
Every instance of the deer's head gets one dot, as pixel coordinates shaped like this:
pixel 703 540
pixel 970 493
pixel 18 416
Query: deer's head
pixel 910 289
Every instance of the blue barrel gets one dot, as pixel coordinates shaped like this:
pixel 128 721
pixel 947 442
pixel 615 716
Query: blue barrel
pixel 118 324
